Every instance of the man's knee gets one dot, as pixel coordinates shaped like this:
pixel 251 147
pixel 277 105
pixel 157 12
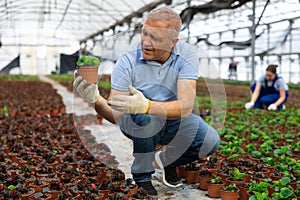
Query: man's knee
pixel 141 119
pixel 210 144
pixel 141 125
pixel 207 139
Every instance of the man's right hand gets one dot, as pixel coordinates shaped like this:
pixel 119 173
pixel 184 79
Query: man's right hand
pixel 249 105
pixel 89 92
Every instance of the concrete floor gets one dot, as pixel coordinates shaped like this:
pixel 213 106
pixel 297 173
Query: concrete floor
pixel 121 147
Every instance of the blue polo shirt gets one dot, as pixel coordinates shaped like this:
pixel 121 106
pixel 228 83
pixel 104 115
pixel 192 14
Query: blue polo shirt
pixel 158 82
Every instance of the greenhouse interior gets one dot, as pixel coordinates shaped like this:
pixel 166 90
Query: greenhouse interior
pixel 150 99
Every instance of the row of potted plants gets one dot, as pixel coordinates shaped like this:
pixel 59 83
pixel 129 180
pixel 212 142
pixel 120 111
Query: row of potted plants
pixel 45 156
pixel 20 98
pixel 260 150
pixel 242 184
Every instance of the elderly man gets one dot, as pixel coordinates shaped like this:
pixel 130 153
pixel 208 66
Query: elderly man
pixel 152 97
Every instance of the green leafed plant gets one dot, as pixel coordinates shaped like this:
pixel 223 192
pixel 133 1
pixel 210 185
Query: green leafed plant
pixel 12 187
pixel 236 175
pixel 270 161
pixel 282 183
pixel 260 187
pixel 230 188
pixel 192 167
pixel 285 193
pixel 217 180
pixel 88 61
pixel 250 147
pixel 256 154
pixel 283 151
pixel 4 110
pixel 259 196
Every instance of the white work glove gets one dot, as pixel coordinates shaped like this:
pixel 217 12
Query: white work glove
pixel 249 105
pixel 89 92
pixel 135 104
pixel 272 107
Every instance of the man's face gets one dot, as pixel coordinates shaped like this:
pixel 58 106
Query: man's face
pixel 156 42
pixel 270 76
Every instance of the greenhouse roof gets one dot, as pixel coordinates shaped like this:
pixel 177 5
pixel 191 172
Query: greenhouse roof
pixel 58 22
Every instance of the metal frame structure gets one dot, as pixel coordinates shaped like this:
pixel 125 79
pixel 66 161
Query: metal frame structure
pixel 108 26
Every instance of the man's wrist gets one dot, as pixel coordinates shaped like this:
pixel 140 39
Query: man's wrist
pixel 100 101
pixel 148 106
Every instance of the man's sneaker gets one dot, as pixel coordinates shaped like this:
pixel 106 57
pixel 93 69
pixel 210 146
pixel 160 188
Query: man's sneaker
pixel 148 187
pixel 283 107
pixel 170 177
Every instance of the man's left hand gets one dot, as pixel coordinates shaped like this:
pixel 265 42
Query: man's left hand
pixel 272 107
pixel 135 104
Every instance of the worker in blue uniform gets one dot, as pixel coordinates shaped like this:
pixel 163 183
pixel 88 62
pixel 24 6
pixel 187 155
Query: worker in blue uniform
pixel 270 90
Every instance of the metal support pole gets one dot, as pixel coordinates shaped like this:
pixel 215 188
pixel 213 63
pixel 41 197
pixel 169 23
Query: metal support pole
pixel 220 55
pixel 233 36
pixel 279 61
pixel 299 68
pixel 268 41
pixel 253 36
pixel 290 51
pixel 189 21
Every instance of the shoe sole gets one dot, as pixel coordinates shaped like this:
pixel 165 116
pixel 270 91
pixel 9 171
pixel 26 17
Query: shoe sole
pixel 158 161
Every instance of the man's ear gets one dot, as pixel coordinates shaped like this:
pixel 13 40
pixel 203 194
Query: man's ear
pixel 174 41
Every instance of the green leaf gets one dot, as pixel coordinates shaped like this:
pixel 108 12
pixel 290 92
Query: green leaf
pixel 11 187
pixel 252 198
pixel 277 152
pixel 285 181
pixel 285 193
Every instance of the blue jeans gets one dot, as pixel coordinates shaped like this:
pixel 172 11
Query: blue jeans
pixel 267 99
pixel 185 140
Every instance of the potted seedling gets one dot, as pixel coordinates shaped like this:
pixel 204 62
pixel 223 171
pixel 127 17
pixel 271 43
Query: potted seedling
pixel 259 191
pixel 236 176
pixel 180 171
pixel 10 192
pixel 141 193
pixel 214 186
pixel 243 194
pixel 55 189
pixel 192 173
pixel 230 192
pixel 204 177
pixel 87 67
pixel 214 164
pixel 282 189
pixel 25 191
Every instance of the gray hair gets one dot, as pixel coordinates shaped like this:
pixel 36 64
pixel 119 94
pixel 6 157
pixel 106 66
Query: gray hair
pixel 168 15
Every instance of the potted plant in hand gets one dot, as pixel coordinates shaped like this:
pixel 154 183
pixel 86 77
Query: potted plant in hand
pixel 230 192
pixel 214 186
pixel 87 67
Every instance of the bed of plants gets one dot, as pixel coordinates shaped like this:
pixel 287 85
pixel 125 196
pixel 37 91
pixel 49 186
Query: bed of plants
pixel 25 97
pixel 45 155
pixel 259 152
